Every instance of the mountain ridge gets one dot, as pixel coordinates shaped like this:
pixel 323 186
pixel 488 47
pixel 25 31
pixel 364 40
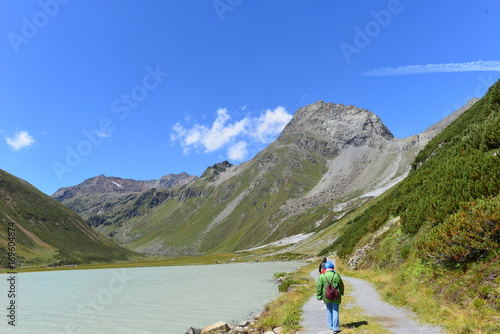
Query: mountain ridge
pixel 111 184
pixel 329 159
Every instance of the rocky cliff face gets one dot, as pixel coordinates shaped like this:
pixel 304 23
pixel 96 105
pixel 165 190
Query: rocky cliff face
pixel 330 128
pixel 328 160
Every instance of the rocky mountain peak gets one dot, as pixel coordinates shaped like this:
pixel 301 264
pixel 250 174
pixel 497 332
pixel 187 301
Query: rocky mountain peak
pixel 343 124
pixel 329 128
pixel 215 170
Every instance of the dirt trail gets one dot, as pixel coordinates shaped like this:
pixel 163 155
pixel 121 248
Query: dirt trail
pixel 393 319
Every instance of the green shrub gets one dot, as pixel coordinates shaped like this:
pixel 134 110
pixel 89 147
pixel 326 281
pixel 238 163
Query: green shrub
pixel 278 275
pixel 466 236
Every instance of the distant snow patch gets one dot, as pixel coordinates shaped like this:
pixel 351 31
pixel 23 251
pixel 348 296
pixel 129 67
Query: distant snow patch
pixel 293 239
pixel 116 184
pixel 380 191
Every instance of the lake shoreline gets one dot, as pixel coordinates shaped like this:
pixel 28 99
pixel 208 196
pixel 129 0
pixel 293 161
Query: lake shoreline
pixel 159 262
pixel 147 298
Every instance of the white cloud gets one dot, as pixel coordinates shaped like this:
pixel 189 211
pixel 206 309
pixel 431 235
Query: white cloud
pixel 238 152
pixel 21 140
pixel 271 124
pixel 209 138
pixel 480 65
pixel 220 133
pixel 178 133
pixel 235 136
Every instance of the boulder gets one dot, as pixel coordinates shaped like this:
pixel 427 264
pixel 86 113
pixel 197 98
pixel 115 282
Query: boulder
pixel 244 323
pixel 216 328
pixel 192 330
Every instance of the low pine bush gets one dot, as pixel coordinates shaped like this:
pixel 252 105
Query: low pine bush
pixel 466 236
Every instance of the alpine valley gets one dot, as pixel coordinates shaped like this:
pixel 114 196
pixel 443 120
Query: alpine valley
pixel 329 160
pixel 334 182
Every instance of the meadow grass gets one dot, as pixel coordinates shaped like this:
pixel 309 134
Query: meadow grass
pixel 408 291
pixel 286 310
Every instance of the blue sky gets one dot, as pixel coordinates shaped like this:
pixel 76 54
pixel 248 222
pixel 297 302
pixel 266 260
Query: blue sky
pixel 142 89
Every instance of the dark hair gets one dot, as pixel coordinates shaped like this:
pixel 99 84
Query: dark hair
pixel 324 260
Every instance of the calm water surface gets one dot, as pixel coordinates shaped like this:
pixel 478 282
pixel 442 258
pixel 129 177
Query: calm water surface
pixel 139 300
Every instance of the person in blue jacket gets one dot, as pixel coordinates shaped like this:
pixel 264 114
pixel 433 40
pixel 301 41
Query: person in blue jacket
pixel 332 306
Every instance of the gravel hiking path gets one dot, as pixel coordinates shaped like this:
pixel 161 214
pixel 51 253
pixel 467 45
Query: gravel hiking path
pixel 394 319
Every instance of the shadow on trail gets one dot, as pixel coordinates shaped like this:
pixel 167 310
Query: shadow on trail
pixel 356 324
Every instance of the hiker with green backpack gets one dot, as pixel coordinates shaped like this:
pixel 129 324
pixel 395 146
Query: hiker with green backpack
pixel 330 285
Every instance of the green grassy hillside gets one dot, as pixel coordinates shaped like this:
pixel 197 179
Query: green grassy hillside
pixel 195 219
pixel 43 231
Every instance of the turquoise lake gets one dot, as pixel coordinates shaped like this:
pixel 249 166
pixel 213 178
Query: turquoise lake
pixel 139 300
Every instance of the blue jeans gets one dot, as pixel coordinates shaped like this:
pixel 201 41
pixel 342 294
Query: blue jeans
pixel 332 314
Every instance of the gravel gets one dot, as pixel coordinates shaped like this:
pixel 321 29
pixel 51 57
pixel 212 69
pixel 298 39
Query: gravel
pixel 394 319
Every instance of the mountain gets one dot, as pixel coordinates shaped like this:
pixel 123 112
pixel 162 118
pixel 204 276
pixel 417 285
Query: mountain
pixel 43 231
pixel 101 200
pixel 432 242
pixel 458 170
pixel 328 160
pixel 115 185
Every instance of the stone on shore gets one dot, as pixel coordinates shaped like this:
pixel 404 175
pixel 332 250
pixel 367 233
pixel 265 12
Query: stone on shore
pixel 216 328
pixel 244 323
pixel 192 330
